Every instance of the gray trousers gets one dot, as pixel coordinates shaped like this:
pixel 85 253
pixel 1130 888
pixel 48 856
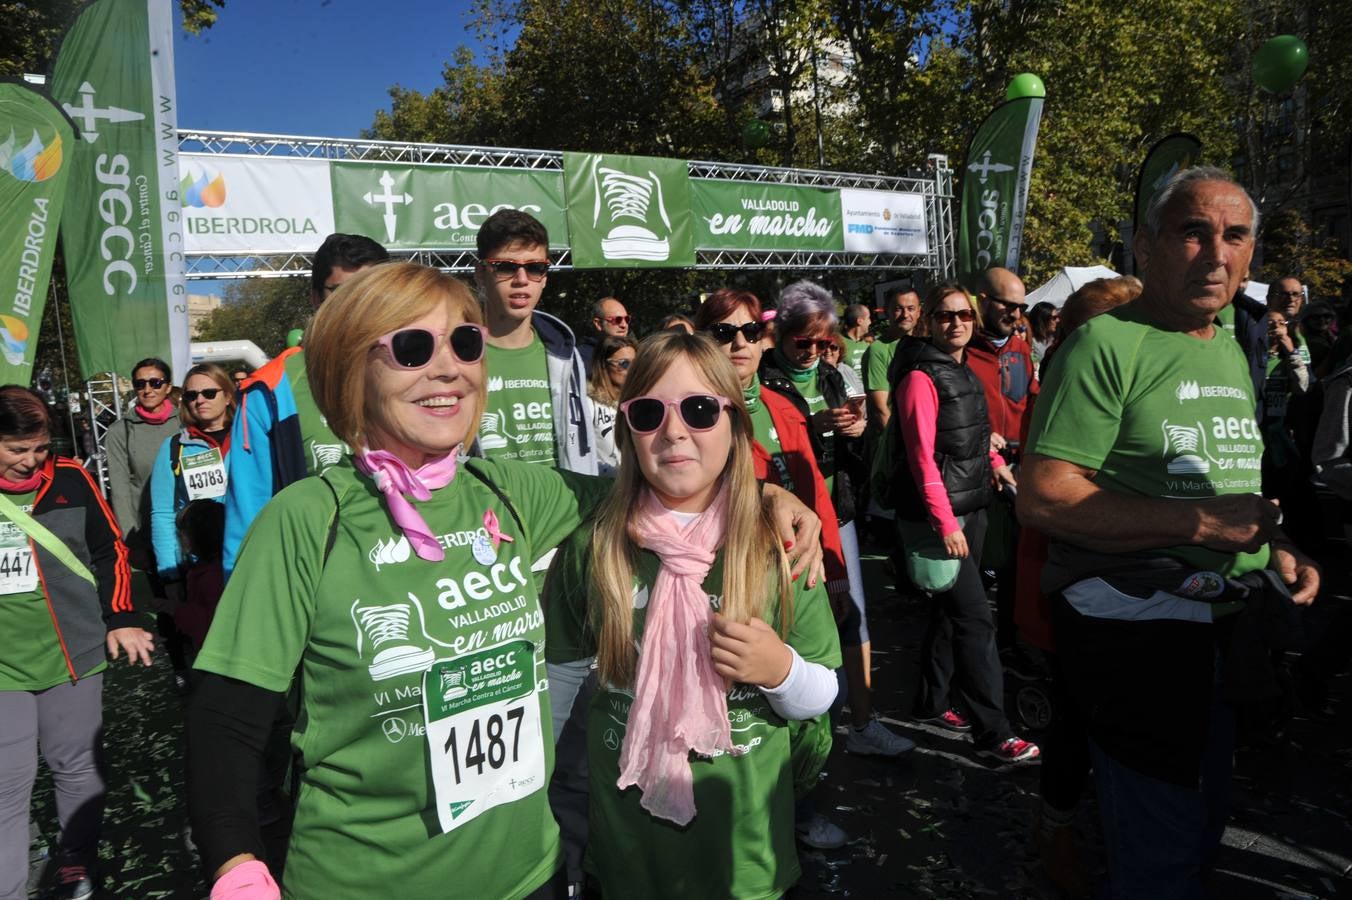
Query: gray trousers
pixel 66 722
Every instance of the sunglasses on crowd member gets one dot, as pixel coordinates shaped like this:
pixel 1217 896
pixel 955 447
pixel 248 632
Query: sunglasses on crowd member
pixel 504 269
pixel 700 412
pixel 206 393
pixel 946 316
pixel 1288 294
pixel 616 320
pixel 621 364
pixel 153 383
pixel 1009 305
pixel 413 348
pixel 822 344
pixel 724 333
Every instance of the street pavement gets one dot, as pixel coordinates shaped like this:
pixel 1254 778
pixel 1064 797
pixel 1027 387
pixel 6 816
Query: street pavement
pixel 938 824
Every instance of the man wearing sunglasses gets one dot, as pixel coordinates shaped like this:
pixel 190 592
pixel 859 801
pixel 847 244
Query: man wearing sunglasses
pixel 609 317
pixel 278 435
pixel 537 409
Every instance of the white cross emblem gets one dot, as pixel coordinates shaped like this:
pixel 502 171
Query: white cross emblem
pixel 985 167
pixel 388 199
pixel 88 115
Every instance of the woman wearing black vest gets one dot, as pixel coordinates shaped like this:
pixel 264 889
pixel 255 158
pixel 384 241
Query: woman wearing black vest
pixel 946 484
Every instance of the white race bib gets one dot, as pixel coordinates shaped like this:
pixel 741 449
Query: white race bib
pixel 204 474
pixel 483 731
pixel 18 573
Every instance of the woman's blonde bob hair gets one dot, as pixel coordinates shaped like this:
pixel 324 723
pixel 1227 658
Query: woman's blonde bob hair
pixel 753 560
pixel 339 343
pixel 222 380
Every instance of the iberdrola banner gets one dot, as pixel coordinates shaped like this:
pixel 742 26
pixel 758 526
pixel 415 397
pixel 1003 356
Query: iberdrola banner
pixel 995 187
pixel 122 229
pixel 35 140
pixel 1167 158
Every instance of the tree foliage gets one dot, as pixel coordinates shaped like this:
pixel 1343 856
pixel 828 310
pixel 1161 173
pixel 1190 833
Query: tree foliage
pixel 261 310
pixel 1291 248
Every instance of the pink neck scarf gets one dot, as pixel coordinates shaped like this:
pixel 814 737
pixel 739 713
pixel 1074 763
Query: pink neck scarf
pixel 680 702
pixel 156 418
pixel 394 479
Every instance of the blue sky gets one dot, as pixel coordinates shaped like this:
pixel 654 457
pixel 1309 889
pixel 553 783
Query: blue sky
pixel 313 67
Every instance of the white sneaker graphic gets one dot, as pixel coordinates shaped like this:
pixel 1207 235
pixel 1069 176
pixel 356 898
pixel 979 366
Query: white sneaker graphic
pixel 385 630
pixel 629 196
pixel 1183 441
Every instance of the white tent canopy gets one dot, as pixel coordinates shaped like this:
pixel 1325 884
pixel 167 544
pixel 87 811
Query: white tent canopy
pixel 1066 282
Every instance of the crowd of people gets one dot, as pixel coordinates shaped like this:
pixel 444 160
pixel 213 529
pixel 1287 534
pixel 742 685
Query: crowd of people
pixel 456 597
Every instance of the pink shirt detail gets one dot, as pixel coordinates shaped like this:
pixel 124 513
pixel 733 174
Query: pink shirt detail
pixel 918 407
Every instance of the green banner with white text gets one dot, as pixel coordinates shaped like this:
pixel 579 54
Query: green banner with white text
pixel 733 215
pixel 628 211
pixel 35 140
pixel 122 228
pixel 1167 158
pixel 995 187
pixel 440 207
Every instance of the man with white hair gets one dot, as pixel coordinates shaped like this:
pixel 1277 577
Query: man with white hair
pixel 1143 467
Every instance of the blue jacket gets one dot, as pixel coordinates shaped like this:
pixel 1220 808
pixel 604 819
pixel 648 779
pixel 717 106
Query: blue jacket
pixel 168 495
pixel 278 437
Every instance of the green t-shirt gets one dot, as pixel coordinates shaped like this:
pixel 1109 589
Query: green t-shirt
pixel 740 843
pixel 764 429
pixel 876 363
pixel 809 388
pixel 323 448
pixel 32 659
pixel 390 802
pixel 518 421
pixel 1278 387
pixel 1157 414
pixel 854 355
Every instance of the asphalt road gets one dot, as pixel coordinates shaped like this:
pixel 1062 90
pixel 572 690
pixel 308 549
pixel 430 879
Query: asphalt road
pixel 938 824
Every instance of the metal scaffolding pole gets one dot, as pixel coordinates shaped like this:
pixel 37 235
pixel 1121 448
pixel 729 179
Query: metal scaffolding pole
pixel 105 408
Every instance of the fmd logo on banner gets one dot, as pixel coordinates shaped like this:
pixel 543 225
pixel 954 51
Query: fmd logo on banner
pixel 254 204
pixel 628 211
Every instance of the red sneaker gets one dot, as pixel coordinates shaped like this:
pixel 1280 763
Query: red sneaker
pixel 1013 750
pixel 950 719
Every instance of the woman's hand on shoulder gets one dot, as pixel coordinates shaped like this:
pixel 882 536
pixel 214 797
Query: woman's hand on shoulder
pixel 138 643
pixel 750 654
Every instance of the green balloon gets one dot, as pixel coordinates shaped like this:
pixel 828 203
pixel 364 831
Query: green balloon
pixel 755 133
pixel 1280 63
pixel 293 337
pixel 1025 85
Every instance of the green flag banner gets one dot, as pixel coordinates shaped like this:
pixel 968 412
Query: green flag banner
pixel 628 211
pixel 439 207
pixel 995 187
pixel 745 216
pixel 35 139
pixel 1169 156
pixel 122 228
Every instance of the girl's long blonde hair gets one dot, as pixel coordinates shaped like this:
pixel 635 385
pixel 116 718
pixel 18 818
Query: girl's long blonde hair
pixel 753 560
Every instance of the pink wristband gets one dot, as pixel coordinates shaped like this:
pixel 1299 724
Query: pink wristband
pixel 247 881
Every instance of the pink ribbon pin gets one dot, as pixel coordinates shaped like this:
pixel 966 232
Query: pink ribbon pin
pixel 494 531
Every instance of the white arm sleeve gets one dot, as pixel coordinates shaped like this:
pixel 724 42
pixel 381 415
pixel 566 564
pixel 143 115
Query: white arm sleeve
pixel 565 679
pixel 808 691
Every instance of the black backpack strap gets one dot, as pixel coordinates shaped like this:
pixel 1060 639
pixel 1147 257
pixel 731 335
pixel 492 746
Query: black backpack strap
pixel 472 467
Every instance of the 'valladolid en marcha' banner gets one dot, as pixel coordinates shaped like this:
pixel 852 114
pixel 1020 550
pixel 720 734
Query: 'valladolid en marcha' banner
pixel 995 187
pixel 122 231
pixel 35 142
pixel 616 211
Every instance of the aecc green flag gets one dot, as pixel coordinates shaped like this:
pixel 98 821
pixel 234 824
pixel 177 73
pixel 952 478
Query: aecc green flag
pixel 122 231
pixel 35 140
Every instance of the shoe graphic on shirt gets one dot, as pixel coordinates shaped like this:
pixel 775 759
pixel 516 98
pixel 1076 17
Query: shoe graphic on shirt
pixel 1183 440
pixel 491 428
pixel 385 630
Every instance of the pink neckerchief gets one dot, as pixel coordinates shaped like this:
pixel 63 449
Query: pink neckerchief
pixel 394 479
pixel 21 487
pixel 680 702
pixel 156 418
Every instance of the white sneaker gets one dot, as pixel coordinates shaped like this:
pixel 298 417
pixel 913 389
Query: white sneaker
pixel 821 833
pixel 875 739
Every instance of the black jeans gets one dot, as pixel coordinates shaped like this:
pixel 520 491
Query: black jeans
pixel 959 664
pixel 1064 772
